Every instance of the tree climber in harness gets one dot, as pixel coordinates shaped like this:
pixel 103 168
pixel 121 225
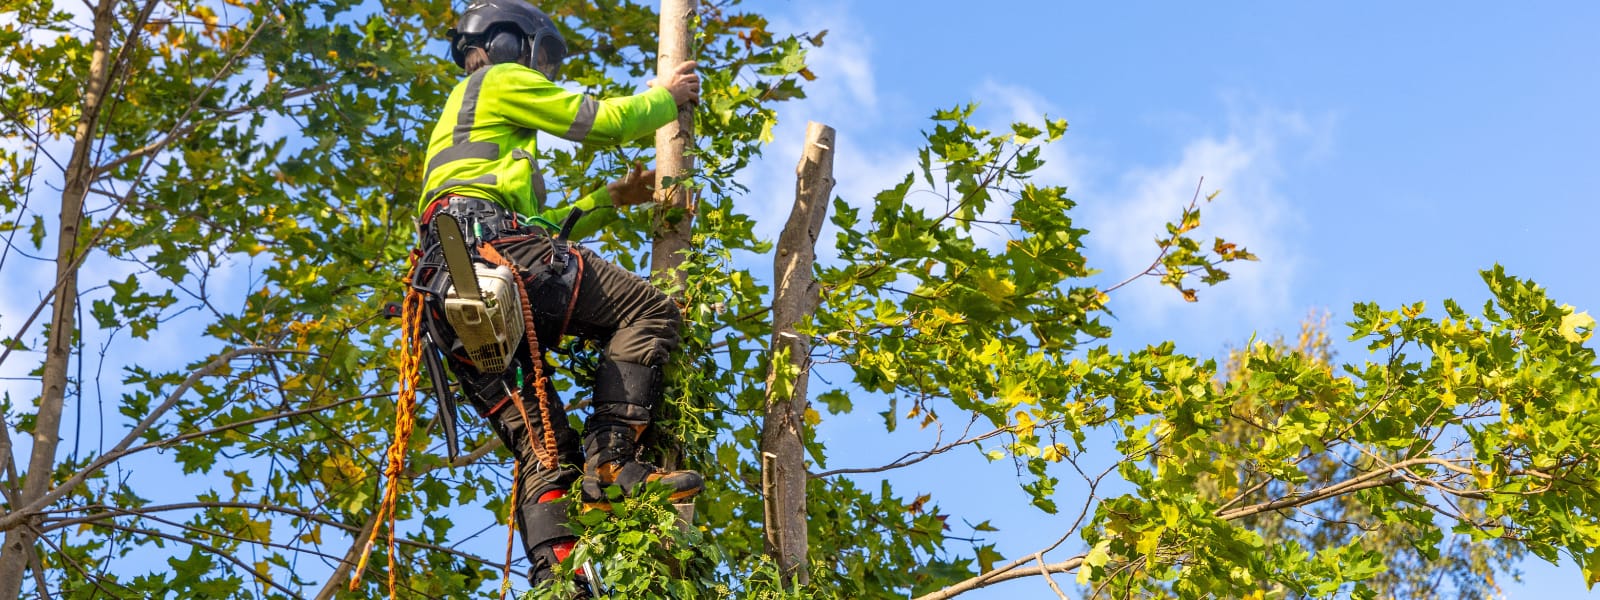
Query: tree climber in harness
pixel 484 191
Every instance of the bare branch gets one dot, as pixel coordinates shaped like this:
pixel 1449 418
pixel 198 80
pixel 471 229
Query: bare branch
pixel 183 130
pixel 1044 572
pixel 1150 270
pixel 911 458
pixel 19 514
pixel 1005 573
pixel 228 556
pixel 247 422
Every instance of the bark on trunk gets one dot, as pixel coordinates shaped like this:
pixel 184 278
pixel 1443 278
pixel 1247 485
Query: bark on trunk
pixel 47 428
pixel 673 202
pixel 795 299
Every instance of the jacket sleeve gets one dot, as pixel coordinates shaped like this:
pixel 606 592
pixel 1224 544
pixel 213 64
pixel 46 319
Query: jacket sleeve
pixel 598 212
pixel 525 98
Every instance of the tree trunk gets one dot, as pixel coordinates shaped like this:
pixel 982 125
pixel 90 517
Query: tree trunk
pixel 674 216
pixel 58 349
pixel 675 207
pixel 794 300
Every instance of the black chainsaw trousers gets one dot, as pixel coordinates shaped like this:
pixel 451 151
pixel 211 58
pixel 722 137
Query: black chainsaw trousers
pixel 634 323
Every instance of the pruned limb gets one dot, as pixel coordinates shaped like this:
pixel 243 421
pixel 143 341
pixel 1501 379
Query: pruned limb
pixel 673 162
pixel 794 302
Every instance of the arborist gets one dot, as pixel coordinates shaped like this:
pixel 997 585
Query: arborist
pixel 485 192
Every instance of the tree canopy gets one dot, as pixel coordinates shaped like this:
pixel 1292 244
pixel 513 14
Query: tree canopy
pixel 236 182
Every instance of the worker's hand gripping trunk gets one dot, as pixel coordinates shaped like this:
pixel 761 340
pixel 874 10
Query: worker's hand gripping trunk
pixel 481 303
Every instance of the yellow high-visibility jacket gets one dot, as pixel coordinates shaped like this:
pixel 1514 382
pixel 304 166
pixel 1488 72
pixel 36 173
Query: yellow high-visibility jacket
pixel 483 145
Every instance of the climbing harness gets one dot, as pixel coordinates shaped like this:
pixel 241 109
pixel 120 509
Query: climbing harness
pixel 460 278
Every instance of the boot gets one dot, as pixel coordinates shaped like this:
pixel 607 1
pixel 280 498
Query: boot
pixel 624 393
pixel 544 529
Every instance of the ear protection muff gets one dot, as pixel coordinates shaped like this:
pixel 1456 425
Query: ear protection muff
pixel 505 46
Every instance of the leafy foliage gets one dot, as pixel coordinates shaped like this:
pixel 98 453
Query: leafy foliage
pixel 255 170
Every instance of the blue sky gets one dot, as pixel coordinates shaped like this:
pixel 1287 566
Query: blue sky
pixel 1366 151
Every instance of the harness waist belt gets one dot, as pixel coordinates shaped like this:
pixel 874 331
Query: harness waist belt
pixel 483 220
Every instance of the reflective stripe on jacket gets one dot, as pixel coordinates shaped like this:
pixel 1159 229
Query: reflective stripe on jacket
pixel 483 146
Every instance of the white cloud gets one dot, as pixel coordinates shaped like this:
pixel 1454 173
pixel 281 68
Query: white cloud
pixel 1245 165
pixel 1123 205
pixel 845 97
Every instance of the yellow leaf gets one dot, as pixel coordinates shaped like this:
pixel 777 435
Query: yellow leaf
pixel 1016 394
pixel 207 16
pixel 1098 557
pixel 945 317
pixel 1149 542
pixel 1577 326
pixel 766 131
pixel 1411 312
pixel 1170 515
pixel 1024 424
pixel 1054 452
pixel 812 417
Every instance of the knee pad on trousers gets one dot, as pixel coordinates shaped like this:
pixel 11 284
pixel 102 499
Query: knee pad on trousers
pixel 628 386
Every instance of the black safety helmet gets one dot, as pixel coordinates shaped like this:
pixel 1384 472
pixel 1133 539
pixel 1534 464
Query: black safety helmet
pixel 509 31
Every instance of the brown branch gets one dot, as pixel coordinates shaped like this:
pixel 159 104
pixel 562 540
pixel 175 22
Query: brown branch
pixel 1044 572
pixel 907 460
pixel 208 548
pixel 9 488
pixel 336 580
pixel 11 519
pixel 1366 481
pixel 1373 479
pixel 183 130
pixel 76 566
pixel 40 586
pixel 1150 270
pixel 255 421
pixel 1002 574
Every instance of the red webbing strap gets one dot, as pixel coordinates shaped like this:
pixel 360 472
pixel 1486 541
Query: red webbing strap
pixel 573 301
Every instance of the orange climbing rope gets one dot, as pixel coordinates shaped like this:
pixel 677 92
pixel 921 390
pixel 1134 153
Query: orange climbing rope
pixel 404 422
pixel 511 530
pixel 545 451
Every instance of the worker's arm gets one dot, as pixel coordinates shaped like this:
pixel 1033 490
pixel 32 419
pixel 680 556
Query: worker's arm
pixel 600 206
pixel 598 212
pixel 525 98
